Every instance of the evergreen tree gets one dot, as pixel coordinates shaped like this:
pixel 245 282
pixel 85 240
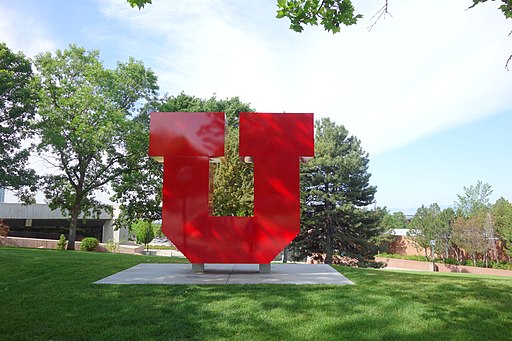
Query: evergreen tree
pixel 335 194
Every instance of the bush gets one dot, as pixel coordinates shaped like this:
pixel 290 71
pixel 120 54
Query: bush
pixel 4 229
pixel 406 257
pixel 89 244
pixel 450 261
pixel 502 265
pixel 370 264
pixel 61 244
pixel 112 245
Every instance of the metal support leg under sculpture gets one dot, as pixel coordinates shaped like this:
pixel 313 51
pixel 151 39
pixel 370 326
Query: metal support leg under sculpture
pixel 265 268
pixel 197 267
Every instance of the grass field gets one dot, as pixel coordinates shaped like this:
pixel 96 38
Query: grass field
pixel 49 295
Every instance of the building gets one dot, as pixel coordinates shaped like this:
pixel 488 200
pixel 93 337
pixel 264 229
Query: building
pixel 39 221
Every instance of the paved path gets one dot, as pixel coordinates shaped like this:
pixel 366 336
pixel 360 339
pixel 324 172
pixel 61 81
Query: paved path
pixel 228 274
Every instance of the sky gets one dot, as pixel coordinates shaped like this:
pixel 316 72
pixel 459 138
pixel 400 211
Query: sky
pixel 426 90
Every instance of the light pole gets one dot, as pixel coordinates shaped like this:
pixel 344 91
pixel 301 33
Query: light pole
pixel 432 245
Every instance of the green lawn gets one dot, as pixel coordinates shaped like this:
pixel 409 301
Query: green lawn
pixel 49 295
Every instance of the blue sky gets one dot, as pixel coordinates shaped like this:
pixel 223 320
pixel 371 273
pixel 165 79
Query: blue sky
pixel 426 90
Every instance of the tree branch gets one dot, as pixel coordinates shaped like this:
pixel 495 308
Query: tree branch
pixel 380 13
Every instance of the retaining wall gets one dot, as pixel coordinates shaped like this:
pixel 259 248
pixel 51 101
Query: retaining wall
pixel 427 266
pixel 52 244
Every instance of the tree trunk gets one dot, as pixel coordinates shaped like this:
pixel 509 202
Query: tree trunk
pixel 285 255
pixel 328 247
pixel 72 226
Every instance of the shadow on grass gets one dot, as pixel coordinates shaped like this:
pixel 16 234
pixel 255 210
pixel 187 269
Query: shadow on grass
pixel 50 295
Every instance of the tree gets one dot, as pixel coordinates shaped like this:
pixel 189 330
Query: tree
pixel 84 125
pixel 502 212
pixel 390 222
pixel 473 230
pixel 475 199
pixel 331 14
pixel 233 186
pixel 396 220
pixel 140 192
pixel 445 231
pixel 423 226
pixel 475 234
pixel 335 195
pixel 430 223
pixel 144 232
pixel 17 107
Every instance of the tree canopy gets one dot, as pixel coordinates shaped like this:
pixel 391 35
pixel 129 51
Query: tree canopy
pixel 335 195
pixel 395 220
pixel 17 108
pixel 84 124
pixel 475 198
pixel 502 212
pixel 430 223
pixel 140 191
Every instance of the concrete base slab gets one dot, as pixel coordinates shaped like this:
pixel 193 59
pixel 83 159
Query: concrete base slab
pixel 227 274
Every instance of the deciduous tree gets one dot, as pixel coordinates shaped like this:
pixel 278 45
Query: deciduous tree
pixel 475 234
pixel 140 192
pixel 144 232
pixel 395 220
pixel 84 124
pixel 502 212
pixel 475 199
pixel 17 107
pixel 430 223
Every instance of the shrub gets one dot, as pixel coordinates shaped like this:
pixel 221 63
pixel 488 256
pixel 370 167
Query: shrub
pixel 112 245
pixel 371 264
pixel 61 244
pixel 89 244
pixel 4 230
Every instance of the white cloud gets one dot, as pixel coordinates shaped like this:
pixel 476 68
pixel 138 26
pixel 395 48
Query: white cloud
pixel 23 33
pixel 425 69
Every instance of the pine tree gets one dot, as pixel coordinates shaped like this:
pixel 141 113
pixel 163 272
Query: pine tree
pixel 335 195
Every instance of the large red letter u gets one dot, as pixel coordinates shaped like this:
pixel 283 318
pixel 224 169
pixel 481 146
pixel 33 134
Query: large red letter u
pixel 276 143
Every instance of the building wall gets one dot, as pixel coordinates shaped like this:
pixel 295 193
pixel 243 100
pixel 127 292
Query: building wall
pixel 403 245
pixel 39 221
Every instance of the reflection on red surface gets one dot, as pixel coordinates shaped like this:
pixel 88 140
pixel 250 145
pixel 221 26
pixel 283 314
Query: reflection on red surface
pixel 187 141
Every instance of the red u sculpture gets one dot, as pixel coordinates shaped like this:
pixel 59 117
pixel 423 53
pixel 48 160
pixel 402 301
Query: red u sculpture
pixel 275 142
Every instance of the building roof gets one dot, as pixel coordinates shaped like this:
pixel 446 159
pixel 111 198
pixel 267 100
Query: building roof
pixel 400 232
pixel 38 211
